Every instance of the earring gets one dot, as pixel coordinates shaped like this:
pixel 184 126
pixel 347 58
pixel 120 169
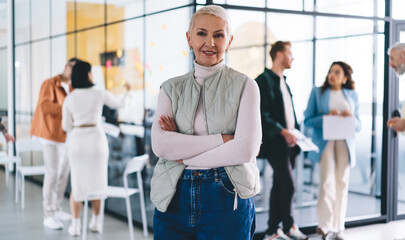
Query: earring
pixel 191 48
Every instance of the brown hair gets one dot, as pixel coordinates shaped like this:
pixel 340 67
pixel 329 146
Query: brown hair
pixel 278 46
pixel 348 73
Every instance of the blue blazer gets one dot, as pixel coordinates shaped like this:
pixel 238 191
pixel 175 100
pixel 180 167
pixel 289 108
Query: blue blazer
pixel 318 105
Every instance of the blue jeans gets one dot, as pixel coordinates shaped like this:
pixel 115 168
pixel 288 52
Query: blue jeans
pixel 203 209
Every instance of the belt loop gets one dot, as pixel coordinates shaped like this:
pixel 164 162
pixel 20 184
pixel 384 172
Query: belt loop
pixel 216 175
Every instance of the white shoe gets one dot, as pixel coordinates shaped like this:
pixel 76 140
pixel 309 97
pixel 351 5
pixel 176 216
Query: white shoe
pixel 296 234
pixel 95 225
pixel 280 235
pixel 339 235
pixel 63 216
pixel 74 230
pixel 53 223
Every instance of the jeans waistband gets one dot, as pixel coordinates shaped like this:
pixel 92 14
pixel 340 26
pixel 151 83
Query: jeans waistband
pixel 212 173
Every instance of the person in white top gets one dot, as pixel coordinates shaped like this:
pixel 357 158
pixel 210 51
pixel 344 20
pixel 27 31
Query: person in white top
pixel 397 62
pixel 46 127
pixel 88 147
pixel 335 97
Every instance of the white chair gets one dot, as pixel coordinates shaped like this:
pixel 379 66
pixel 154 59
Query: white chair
pixel 26 145
pixel 6 159
pixel 136 164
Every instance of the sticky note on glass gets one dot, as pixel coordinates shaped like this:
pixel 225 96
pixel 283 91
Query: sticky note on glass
pixel 338 127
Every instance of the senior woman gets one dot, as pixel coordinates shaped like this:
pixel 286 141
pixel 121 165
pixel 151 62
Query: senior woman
pixel 88 147
pixel 335 97
pixel 207 134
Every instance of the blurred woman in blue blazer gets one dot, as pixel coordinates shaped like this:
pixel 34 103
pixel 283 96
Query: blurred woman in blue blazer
pixel 335 97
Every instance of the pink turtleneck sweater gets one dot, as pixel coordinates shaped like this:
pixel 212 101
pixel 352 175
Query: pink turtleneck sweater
pixel 202 151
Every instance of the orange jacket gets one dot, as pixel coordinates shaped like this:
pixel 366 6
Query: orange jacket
pixel 47 120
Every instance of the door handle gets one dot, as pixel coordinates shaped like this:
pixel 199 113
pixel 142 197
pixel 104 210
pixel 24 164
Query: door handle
pixel 396 113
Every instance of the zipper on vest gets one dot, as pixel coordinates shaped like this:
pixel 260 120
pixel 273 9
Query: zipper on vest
pixel 235 201
pixel 203 105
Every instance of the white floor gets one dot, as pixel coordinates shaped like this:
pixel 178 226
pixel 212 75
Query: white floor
pixel 26 224
pixel 19 224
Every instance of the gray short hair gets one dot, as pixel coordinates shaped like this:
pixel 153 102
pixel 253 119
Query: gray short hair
pixel 213 10
pixel 397 46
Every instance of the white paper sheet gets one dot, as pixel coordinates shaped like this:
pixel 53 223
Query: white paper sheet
pixel 338 127
pixel 305 144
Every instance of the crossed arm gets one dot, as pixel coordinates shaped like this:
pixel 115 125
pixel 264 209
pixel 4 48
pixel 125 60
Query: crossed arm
pixel 212 150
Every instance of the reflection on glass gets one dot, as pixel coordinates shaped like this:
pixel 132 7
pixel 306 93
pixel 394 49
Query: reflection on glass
pixel 89 14
pixel 251 3
pixel 23 103
pixel 3 80
pixel 59 53
pixel 90 47
pixel 123 9
pixel 22 21
pixel 336 27
pixel 247 52
pixel 167 52
pixel 124 63
pixel 40 69
pixel 158 5
pixel 248 60
pixel 247 28
pixel 40 19
pixel 397 9
pixel 349 7
pixel 401 143
pixel 3 24
pixel 290 5
pixel 290 27
pixel 62 15
pixel 22 79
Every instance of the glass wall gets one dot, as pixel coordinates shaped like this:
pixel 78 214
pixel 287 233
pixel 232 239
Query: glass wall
pixel 317 41
pixel 139 42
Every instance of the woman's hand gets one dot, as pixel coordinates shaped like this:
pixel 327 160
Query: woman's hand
pixel 334 112
pixel 167 123
pixel 346 113
pixel 227 137
pixel 8 137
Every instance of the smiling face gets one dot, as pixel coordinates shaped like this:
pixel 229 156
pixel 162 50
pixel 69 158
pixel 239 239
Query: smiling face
pixel 397 61
pixel 209 39
pixel 336 77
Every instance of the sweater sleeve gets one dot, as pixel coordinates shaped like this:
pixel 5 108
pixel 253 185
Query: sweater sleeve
pixel 177 146
pixel 113 101
pixel 247 139
pixel 312 117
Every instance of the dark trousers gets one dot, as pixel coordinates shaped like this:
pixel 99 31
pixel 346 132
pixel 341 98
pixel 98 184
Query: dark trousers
pixel 282 192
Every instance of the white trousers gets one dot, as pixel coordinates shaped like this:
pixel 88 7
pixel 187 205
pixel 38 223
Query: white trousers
pixel 333 186
pixel 56 177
